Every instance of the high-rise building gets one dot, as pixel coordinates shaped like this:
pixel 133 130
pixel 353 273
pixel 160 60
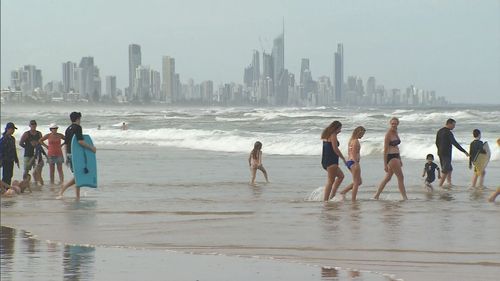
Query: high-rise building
pixel 134 60
pixel 111 87
pixel 68 74
pixel 280 74
pixel 267 66
pixel 304 65
pixel 142 90
pixel 87 86
pixel 339 73
pixel 26 79
pixel 256 68
pixel 207 91
pixel 168 81
pixel 155 85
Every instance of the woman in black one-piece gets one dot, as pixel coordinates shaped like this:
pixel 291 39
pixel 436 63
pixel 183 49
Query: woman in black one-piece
pixel 330 159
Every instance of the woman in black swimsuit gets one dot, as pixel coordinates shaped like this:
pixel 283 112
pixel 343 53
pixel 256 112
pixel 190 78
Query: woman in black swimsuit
pixel 392 160
pixel 330 159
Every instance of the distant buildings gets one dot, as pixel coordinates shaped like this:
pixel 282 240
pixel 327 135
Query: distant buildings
pixel 134 60
pixel 266 82
pixel 339 74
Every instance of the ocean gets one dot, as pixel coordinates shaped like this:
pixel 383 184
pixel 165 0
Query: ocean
pixel 175 186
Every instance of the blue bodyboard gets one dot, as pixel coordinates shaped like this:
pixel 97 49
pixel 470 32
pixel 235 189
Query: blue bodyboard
pixel 84 163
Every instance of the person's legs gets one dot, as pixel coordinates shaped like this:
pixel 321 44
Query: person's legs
pixel 356 181
pixel 253 172
pixel 481 178
pixel 474 179
pixel 60 172
pixel 51 169
pixel 27 165
pixel 331 171
pixel 7 171
pixel 264 172
pixel 66 186
pixel 77 189
pixel 395 165
pixel 339 178
pixel 386 179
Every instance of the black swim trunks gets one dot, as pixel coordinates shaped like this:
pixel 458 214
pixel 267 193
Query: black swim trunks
pixel 445 161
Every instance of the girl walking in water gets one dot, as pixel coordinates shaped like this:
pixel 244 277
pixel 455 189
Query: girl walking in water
pixel 353 162
pixel 330 159
pixel 255 162
pixel 392 159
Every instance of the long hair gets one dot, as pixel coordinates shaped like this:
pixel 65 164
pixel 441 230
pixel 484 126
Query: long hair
pixel 256 148
pixel 328 131
pixel 357 131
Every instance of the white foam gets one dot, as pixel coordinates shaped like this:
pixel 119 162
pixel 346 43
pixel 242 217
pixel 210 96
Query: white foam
pixel 316 195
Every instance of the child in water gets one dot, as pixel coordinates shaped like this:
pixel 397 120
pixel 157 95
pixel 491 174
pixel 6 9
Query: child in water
pixel 430 169
pixel 255 162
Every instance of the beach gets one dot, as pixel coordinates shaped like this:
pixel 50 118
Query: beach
pixel 174 187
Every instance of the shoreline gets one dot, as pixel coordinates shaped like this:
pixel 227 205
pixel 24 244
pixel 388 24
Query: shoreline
pixel 127 263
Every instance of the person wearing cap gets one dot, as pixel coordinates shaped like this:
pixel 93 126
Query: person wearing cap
pixel 74 130
pixel 54 152
pixel 29 141
pixel 8 153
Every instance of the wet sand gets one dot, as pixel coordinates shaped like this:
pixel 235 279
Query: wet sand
pixel 26 258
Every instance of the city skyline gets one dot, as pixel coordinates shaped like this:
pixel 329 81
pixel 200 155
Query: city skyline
pixel 444 77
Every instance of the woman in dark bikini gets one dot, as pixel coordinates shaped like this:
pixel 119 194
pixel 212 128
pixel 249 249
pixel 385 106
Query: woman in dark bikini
pixel 330 159
pixel 392 159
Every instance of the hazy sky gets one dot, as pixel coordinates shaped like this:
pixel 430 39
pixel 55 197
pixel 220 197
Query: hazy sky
pixel 451 46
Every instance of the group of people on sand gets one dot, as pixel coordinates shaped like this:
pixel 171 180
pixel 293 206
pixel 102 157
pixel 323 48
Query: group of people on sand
pixel 478 153
pixel 34 143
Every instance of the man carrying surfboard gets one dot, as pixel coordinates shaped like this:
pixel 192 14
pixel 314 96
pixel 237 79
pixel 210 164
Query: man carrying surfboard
pixel 479 156
pixel 444 141
pixel 74 130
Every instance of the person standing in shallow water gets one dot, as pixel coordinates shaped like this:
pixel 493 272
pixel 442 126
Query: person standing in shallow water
pixel 8 153
pixel 29 141
pixel 54 151
pixel 392 159
pixel 74 130
pixel 255 162
pixel 330 159
pixel 353 162
pixel 444 141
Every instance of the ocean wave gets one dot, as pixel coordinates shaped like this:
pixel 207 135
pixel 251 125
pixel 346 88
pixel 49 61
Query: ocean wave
pixel 297 142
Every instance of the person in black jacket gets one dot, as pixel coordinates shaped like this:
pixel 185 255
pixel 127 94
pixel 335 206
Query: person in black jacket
pixel 8 153
pixel 444 141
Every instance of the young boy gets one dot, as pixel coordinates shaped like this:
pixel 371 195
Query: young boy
pixel 479 157
pixel 430 169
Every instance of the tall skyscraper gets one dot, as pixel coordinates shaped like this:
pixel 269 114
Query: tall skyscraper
pixel 267 66
pixel 134 60
pixel 142 84
pixel 256 68
pixel 339 73
pixel 87 84
pixel 68 74
pixel 168 79
pixel 280 74
pixel 111 87
pixel 304 65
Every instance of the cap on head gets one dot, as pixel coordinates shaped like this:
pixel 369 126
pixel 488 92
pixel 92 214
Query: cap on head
pixel 10 125
pixel 53 126
pixel 33 122
pixel 75 116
